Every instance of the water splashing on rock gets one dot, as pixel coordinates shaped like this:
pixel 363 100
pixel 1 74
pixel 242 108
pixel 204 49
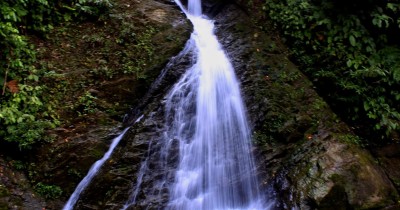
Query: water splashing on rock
pixel 216 169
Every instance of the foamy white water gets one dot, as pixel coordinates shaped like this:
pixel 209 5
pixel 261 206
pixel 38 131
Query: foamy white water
pixel 216 168
pixel 204 112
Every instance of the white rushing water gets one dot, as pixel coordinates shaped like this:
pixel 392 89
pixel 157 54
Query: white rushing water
pixel 216 168
pixel 93 171
pixel 205 114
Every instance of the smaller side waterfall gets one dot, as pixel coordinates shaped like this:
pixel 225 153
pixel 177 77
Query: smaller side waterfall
pixel 142 171
pixel 93 171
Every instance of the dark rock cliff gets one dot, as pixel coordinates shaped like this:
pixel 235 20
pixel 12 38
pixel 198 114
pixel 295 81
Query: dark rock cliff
pixel 306 154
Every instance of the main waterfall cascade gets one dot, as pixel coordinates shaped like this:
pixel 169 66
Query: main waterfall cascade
pixel 216 169
pixel 206 115
pixel 205 118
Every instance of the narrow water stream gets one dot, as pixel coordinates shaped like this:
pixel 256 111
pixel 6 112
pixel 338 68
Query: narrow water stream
pixel 93 171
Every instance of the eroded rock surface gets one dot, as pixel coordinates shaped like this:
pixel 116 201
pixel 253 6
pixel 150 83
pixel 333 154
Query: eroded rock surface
pixel 15 189
pixel 306 154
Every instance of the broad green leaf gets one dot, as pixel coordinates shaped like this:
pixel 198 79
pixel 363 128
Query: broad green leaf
pixel 352 40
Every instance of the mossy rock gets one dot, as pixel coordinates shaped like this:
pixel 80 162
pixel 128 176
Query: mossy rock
pixel 3 191
pixel 308 154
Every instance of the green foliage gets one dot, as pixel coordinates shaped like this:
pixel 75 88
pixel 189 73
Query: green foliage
pixel 3 191
pixel 75 173
pixel 25 113
pixel 86 104
pixel 18 164
pixel 92 7
pixel 351 51
pixel 48 191
pixel 145 51
pixel 136 50
pixel 350 139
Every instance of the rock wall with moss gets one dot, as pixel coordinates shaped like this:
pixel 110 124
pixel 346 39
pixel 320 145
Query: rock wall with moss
pixel 308 157
pixel 97 71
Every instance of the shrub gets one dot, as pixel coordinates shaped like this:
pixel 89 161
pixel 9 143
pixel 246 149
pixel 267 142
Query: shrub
pixel 350 50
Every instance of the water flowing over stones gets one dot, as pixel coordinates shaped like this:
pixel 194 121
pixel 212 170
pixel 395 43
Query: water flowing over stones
pixel 216 168
pixel 206 117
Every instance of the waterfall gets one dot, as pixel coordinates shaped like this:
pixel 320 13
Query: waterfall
pixel 206 124
pixel 93 171
pixel 216 169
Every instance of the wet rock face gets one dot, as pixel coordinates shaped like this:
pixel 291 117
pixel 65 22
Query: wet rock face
pixel 67 162
pixel 389 157
pixel 78 146
pixel 304 152
pixel 322 174
pixel 139 154
pixel 15 188
pixel 116 181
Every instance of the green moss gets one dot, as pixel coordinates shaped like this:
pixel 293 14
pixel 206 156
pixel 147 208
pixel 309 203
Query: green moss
pixel 349 139
pixel 3 206
pixel 3 191
pixel 241 27
pixel 263 137
pixel 48 191
pixel 396 182
pixel 75 173
pixel 97 153
pixel 337 179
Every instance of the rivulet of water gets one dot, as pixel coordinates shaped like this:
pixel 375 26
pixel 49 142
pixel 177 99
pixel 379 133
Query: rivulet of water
pixel 93 171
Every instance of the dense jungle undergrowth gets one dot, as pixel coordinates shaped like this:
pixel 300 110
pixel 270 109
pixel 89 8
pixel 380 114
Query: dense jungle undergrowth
pixel 58 56
pixel 28 105
pixel 70 71
pixel 350 50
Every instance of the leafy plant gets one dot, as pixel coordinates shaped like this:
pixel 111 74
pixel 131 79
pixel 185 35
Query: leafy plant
pixel 19 165
pixel 86 104
pixel 25 112
pixel 351 53
pixel 48 191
